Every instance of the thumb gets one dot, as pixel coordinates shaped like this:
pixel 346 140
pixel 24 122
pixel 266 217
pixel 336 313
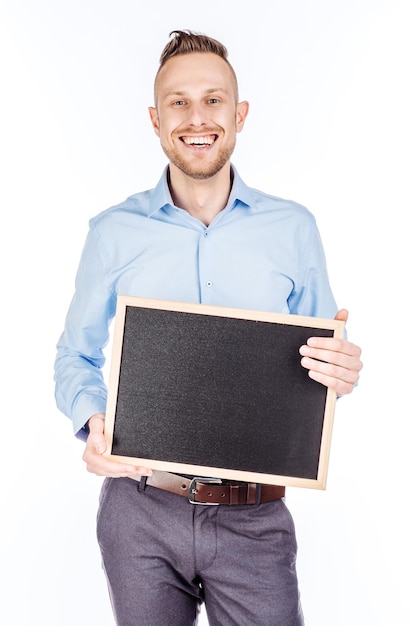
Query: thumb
pixel 342 315
pixel 96 437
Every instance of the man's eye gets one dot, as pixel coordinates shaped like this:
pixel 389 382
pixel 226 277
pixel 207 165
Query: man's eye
pixel 179 102
pixel 213 101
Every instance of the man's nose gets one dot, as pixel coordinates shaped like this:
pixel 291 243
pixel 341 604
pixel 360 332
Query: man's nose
pixel 197 115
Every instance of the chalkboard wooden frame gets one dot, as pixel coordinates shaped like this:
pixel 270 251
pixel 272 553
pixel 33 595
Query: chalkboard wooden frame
pixel 220 392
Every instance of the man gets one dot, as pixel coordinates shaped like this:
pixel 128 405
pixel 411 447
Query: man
pixel 202 236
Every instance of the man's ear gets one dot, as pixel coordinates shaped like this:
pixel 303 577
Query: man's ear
pixel 153 113
pixel 242 109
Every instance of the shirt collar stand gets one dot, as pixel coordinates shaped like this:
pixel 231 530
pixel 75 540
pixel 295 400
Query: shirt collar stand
pixel 161 195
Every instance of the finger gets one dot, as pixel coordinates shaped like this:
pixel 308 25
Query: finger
pixel 103 466
pixel 331 370
pixel 332 344
pixel 341 359
pixel 118 472
pixel 341 387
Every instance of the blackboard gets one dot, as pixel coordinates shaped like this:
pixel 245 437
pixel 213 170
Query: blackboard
pixel 219 392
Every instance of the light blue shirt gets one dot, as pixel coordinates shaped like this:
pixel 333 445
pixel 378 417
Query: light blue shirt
pixel 260 252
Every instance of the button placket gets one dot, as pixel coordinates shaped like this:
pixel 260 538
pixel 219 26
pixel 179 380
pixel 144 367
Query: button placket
pixel 205 263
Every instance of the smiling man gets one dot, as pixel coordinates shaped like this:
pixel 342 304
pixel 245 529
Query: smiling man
pixel 201 235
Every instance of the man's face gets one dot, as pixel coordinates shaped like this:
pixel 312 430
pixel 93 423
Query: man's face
pixel 196 115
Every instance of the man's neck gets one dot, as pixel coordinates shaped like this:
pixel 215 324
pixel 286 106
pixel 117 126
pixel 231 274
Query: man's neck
pixel 203 199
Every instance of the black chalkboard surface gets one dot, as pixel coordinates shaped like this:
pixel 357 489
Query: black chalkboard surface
pixel 218 392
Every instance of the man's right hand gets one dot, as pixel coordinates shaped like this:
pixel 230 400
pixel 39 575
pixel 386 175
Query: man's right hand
pixel 101 465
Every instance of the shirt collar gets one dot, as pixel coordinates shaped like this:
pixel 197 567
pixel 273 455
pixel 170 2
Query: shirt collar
pixel 161 195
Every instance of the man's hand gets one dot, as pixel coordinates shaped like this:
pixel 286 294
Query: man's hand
pixel 333 362
pixel 96 446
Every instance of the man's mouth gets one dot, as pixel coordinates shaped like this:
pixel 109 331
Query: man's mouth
pixel 203 140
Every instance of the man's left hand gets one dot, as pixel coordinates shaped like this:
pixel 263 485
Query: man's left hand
pixel 333 362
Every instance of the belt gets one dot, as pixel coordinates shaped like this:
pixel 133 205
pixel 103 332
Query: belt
pixel 201 490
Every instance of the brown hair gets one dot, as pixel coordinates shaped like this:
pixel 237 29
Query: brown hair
pixel 186 42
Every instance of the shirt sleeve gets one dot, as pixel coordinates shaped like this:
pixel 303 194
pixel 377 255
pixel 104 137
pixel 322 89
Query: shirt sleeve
pixel 80 390
pixel 312 294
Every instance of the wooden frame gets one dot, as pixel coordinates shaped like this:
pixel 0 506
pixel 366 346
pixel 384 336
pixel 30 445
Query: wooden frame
pixel 218 392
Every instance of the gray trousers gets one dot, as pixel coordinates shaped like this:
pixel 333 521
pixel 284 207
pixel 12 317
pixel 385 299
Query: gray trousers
pixel 163 557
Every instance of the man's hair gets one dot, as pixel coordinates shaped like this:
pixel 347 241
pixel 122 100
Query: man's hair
pixel 187 42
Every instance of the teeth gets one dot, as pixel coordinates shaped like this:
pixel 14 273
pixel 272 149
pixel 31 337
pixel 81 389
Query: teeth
pixel 199 141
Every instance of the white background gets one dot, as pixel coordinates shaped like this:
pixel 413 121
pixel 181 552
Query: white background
pixel 332 125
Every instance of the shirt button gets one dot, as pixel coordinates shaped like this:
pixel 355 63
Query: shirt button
pixel 205 233
pixel 209 283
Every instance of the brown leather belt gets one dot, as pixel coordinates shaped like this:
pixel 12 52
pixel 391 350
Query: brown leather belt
pixel 214 490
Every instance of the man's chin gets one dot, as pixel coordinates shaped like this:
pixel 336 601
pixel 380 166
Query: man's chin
pixel 203 170
pixel 200 172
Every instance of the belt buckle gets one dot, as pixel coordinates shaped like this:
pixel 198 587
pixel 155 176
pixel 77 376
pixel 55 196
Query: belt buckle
pixel 192 489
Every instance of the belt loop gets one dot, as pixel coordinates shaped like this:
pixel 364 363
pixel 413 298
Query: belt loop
pixel 234 494
pixel 253 494
pixel 142 483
